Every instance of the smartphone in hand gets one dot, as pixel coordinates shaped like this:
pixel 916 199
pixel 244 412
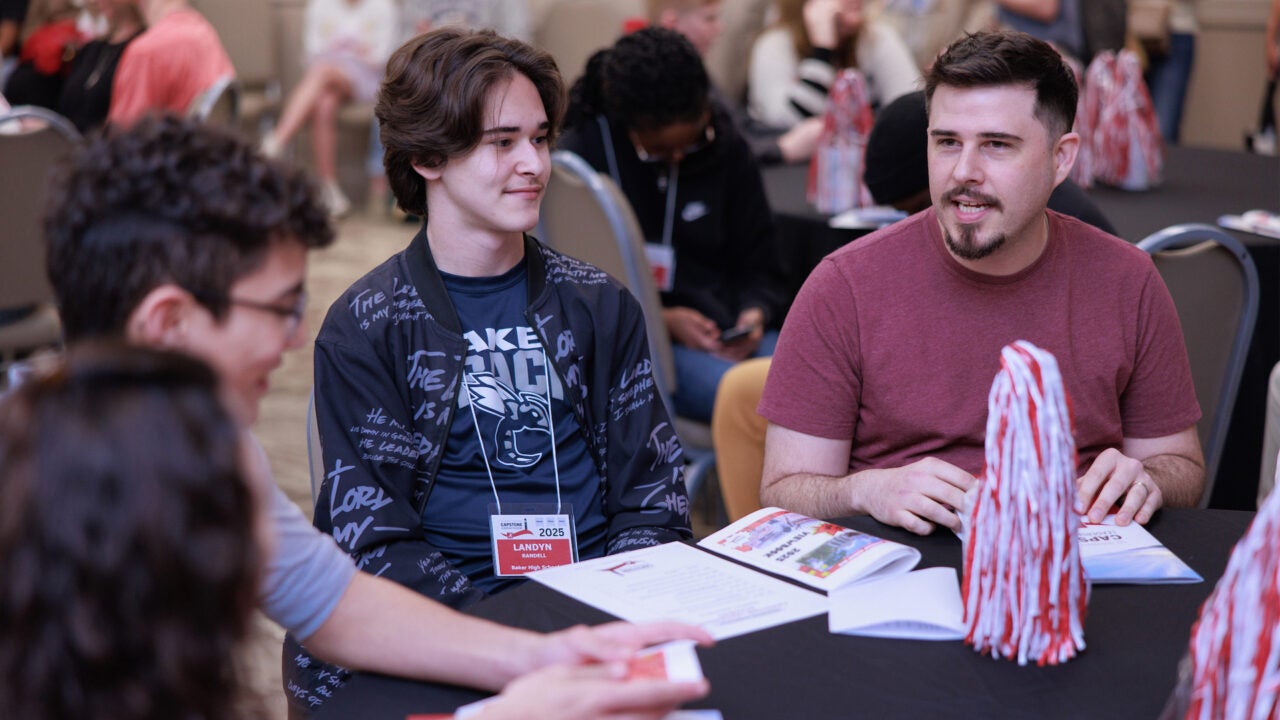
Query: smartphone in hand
pixel 736 333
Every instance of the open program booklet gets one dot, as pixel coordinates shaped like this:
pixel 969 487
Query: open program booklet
pixel 814 552
pixel 1129 555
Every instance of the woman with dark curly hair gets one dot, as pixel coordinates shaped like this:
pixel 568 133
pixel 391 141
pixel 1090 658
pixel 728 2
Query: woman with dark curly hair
pixel 128 562
pixel 642 113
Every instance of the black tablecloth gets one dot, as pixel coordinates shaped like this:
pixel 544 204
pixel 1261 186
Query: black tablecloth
pixel 1135 636
pixel 1200 185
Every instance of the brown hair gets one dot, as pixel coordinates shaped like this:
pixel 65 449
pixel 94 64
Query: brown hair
pixel 128 562
pixel 1010 58
pixel 431 104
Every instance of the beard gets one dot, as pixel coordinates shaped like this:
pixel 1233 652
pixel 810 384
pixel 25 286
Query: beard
pixel 966 246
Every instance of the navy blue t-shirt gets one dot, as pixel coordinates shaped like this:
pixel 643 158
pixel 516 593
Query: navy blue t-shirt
pixel 507 375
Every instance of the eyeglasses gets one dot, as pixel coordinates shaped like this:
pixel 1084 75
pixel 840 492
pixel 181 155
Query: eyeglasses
pixel 292 315
pixel 704 137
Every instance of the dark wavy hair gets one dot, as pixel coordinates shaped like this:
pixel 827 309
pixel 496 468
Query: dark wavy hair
pixel 648 80
pixel 169 200
pixel 1008 57
pixel 431 104
pixel 128 563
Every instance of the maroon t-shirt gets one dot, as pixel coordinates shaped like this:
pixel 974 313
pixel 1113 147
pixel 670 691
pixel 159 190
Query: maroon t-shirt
pixel 894 344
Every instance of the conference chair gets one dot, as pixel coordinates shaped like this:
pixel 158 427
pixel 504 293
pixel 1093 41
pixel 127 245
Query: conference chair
pixel 315 458
pixel 218 104
pixel 585 215
pixel 1270 437
pixel 1214 285
pixel 32 139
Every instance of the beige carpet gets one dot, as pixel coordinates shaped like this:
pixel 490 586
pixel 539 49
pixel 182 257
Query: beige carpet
pixel 362 244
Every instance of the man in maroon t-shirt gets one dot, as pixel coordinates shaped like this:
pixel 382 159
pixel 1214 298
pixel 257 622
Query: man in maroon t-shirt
pixel 877 397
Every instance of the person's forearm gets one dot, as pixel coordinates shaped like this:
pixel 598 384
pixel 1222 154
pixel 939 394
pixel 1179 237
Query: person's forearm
pixel 1181 479
pixel 383 627
pixel 820 496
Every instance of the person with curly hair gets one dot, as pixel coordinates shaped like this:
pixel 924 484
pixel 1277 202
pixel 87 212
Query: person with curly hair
pixel 177 235
pixel 642 113
pixel 128 568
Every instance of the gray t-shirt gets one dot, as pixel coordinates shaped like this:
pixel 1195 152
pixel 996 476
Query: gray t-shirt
pixel 306 572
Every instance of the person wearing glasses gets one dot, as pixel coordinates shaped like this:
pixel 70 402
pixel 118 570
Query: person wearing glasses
pixel 180 236
pixel 642 113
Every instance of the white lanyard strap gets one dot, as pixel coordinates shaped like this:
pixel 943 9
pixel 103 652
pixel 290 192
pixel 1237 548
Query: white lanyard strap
pixel 551 427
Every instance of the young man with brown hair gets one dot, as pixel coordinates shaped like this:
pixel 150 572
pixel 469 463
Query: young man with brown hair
pixel 479 384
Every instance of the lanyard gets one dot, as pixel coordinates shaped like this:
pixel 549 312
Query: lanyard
pixel 551 425
pixel 673 179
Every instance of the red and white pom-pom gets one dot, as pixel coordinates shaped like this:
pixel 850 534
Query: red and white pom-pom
pixel 1025 593
pixel 1235 645
pixel 836 169
pixel 1127 149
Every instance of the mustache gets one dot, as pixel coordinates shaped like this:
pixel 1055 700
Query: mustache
pixel 953 193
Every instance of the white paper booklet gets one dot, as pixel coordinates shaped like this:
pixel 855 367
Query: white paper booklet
pixel 815 552
pixel 920 605
pixel 679 582
pixel 1129 555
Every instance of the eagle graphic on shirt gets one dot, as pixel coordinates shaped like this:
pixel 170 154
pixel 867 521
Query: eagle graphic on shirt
pixel 520 415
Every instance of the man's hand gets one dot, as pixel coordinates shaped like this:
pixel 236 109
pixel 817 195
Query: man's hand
pixel 916 497
pixel 587 692
pixel 692 329
pixel 744 347
pixel 1113 475
pixel 612 641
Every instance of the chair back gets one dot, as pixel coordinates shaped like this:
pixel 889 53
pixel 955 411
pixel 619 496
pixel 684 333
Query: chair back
pixel 585 215
pixel 218 104
pixel 1214 285
pixel 32 140
pixel 1270 437
pixel 572 30
pixel 40 138
pixel 315 457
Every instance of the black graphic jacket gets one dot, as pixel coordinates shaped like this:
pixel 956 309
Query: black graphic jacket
pixel 388 369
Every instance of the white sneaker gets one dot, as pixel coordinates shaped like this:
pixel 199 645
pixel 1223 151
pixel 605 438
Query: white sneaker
pixel 1264 143
pixel 334 199
pixel 270 146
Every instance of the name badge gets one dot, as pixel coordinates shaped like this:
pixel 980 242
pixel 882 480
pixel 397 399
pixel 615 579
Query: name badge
pixel 532 537
pixel 662 261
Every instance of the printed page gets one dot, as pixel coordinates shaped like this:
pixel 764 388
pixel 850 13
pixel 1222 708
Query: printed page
pixel 815 552
pixel 679 582
pixel 1129 555
pixel 920 605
